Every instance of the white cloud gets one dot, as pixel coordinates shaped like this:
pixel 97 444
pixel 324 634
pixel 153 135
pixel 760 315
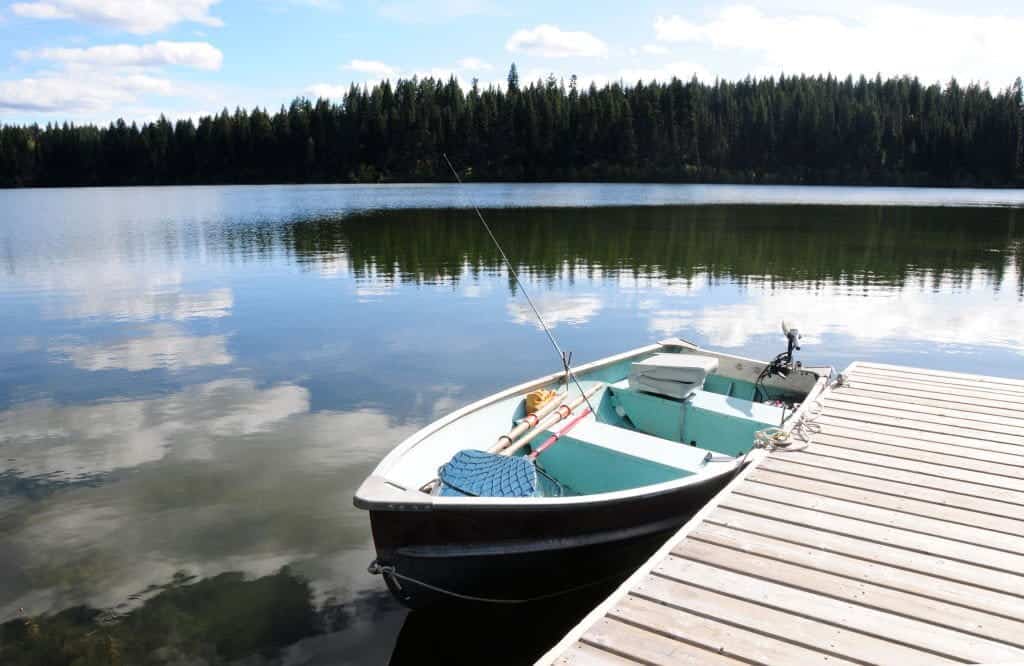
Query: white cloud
pixel 889 39
pixel 555 309
pixel 438 11
pixel 435 73
pixel 654 49
pixel 474 64
pixel 375 290
pixel 290 468
pixel 153 301
pixel 551 42
pixel 680 70
pixel 948 314
pixel 372 67
pixel 136 16
pixel 39 10
pixel 199 55
pixel 165 346
pixel 120 291
pixel 376 72
pixel 331 5
pixel 71 441
pixel 327 90
pixel 79 90
pixel 665 323
pixel 676 29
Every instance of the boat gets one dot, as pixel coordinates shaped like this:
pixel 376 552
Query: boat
pixel 639 441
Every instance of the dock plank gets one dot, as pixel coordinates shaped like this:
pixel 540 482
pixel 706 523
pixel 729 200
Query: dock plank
pixel 895 536
pixel 719 638
pixel 907 371
pixel 1011 502
pixel 868 550
pixel 865 424
pixel 583 654
pixel 947 403
pixel 1010 424
pixel 933 390
pixel 814 516
pixel 923 424
pixel 863 592
pixel 945 378
pixel 819 554
pixel 798 628
pixel 911 506
pixel 848 613
pixel 850 430
pixel 1005 481
pixel 650 647
pixel 989 455
pixel 850 478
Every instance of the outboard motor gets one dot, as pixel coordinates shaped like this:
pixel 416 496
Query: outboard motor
pixel 781 365
pixel 793 337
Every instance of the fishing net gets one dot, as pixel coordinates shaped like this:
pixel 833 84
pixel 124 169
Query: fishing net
pixel 472 473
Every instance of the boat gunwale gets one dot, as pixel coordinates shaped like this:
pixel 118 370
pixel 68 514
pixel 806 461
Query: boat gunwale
pixel 416 500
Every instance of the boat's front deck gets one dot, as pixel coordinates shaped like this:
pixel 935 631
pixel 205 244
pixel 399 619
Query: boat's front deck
pixel 897 535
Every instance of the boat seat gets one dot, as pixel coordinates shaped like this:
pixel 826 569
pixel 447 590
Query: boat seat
pixel 640 445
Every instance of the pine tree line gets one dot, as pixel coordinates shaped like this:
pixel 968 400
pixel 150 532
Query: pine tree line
pixel 795 129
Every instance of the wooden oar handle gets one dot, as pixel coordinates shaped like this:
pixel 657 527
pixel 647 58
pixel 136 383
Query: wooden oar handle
pixel 528 423
pixel 560 414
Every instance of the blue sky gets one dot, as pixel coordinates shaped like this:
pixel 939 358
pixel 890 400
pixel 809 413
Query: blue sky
pixel 96 60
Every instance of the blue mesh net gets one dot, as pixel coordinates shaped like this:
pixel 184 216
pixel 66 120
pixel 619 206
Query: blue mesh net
pixel 472 473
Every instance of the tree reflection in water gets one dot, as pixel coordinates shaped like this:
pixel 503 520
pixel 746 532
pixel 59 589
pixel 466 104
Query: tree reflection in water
pixel 217 620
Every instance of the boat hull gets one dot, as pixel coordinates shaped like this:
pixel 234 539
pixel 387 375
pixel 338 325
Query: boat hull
pixel 458 554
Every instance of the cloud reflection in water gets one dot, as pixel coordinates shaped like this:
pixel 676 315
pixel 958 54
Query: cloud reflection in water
pixel 219 477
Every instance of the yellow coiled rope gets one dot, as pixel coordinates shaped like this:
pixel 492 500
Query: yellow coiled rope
pixel 537 399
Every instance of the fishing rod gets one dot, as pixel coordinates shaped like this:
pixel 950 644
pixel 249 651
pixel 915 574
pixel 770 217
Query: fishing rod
pixel 565 358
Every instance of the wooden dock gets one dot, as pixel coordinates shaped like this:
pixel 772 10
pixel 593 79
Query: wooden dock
pixel 895 536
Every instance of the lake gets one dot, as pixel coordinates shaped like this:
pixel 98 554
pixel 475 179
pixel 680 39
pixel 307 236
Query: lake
pixel 193 381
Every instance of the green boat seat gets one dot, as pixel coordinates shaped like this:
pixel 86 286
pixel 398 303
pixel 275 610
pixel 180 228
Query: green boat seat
pixel 639 445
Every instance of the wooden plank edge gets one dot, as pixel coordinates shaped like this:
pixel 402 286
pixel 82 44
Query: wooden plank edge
pixel 914 374
pixel 952 374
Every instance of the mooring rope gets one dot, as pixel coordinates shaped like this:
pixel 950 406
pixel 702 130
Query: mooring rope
pixel 803 430
pixel 376 568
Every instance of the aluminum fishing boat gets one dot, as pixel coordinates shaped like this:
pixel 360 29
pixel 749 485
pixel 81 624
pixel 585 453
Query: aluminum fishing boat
pixel 491 503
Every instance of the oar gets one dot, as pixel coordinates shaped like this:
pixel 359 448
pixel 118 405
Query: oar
pixel 527 423
pixel 563 412
pixel 481 474
pixel 554 438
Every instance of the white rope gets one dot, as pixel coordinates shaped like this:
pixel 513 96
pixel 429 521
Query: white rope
pixel 800 435
pixel 387 570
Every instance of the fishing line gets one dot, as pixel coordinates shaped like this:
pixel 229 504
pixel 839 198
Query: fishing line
pixel 565 359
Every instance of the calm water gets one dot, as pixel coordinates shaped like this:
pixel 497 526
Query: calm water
pixel 194 381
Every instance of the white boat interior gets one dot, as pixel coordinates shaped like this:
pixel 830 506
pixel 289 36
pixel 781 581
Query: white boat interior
pixel 665 413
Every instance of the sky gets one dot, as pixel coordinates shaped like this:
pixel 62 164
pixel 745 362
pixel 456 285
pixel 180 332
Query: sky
pixel 98 60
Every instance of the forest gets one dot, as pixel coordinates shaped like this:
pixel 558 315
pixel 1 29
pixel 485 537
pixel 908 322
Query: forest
pixel 788 129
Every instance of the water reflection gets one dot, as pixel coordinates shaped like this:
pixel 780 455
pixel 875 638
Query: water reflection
pixel 189 395
pixel 158 346
pixel 556 309
pixel 221 619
